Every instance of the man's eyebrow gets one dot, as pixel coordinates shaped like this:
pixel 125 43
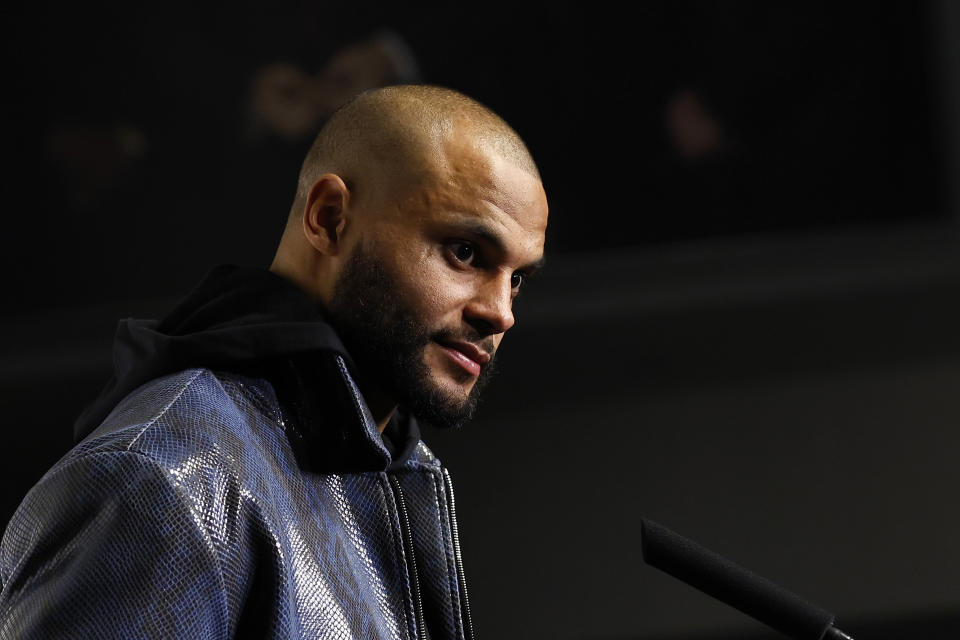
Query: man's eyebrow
pixel 492 238
pixel 535 266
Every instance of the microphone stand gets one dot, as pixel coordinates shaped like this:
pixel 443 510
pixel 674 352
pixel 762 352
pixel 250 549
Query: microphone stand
pixel 730 583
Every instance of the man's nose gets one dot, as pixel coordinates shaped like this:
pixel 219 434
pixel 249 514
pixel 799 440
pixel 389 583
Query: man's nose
pixel 491 309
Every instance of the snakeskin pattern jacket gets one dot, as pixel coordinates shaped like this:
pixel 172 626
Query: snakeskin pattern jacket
pixel 256 501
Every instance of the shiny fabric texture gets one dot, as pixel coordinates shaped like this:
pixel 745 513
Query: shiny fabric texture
pixel 193 512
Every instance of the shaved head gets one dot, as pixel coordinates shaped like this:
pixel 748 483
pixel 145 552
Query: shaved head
pixel 418 216
pixel 394 136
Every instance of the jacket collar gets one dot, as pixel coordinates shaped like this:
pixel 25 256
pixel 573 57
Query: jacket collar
pixel 327 419
pixel 254 322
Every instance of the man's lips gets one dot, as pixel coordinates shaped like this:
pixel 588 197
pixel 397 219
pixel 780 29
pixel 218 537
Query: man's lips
pixel 466 354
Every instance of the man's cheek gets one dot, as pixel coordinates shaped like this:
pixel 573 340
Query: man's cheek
pixel 432 357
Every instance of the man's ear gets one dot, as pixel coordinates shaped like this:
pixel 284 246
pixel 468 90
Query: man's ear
pixel 324 216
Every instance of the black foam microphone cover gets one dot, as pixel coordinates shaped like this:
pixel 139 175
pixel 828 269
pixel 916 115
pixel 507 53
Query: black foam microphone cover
pixel 730 583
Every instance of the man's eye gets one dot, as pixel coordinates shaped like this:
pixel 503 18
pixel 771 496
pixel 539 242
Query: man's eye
pixel 462 251
pixel 516 280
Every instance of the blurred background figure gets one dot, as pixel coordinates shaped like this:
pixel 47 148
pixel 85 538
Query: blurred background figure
pixel 694 132
pixel 94 162
pixel 290 103
pixel 286 105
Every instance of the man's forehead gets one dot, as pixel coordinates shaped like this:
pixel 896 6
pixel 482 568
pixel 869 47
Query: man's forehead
pixel 500 211
pixel 470 184
pixel 477 168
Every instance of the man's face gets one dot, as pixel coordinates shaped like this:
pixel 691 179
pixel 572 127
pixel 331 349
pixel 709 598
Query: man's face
pixel 426 294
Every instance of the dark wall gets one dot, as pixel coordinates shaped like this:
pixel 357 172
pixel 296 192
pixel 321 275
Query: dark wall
pixel 140 149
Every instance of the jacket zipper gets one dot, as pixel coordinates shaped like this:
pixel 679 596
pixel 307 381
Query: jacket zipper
pixel 406 534
pixel 458 559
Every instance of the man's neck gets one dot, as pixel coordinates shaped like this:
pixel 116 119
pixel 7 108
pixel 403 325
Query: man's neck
pixel 381 406
pixel 382 424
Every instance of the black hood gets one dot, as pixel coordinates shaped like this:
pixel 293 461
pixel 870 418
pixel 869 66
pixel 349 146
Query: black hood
pixel 254 322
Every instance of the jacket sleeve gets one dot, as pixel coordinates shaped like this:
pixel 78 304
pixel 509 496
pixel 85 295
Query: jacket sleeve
pixel 106 546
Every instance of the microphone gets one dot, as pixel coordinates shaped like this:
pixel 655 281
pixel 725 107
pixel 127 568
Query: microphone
pixel 730 583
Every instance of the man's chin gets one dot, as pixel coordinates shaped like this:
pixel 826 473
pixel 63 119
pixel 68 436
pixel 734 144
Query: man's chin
pixel 455 387
pixel 439 392
pixel 443 402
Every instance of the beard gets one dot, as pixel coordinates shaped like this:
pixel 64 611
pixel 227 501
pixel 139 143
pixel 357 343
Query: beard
pixel 387 341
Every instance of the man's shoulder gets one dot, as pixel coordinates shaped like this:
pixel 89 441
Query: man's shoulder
pixel 187 413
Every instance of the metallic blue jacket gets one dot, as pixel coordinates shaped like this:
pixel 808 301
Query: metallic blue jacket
pixel 218 504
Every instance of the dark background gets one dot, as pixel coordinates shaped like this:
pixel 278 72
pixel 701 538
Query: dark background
pixel 747 328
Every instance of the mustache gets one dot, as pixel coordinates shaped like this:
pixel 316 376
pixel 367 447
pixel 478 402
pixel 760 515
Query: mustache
pixel 485 344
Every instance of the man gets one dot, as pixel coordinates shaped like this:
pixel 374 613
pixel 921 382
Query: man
pixel 254 468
